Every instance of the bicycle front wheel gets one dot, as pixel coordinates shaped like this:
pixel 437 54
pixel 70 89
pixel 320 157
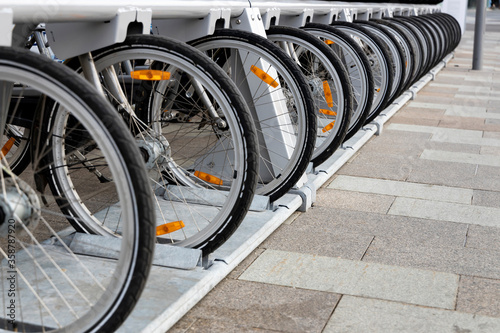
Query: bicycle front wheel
pixel 279 99
pixel 49 281
pixel 194 132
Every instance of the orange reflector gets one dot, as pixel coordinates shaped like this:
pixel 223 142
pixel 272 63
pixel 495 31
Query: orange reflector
pixel 150 75
pixel 264 76
pixel 7 147
pixel 169 227
pixel 329 42
pixel 328 93
pixel 328 112
pixel 378 90
pixel 208 178
pixel 328 127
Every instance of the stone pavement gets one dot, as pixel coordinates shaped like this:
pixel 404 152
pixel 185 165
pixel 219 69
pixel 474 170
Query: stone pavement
pixel 405 237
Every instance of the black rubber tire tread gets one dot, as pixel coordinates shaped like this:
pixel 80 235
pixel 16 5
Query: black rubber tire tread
pixel 432 37
pixel 415 45
pixel 310 117
pixel 411 48
pixel 420 44
pixel 393 39
pixel 247 130
pixel 366 64
pixel 456 28
pixel 427 40
pixel 111 320
pixel 441 34
pixel 343 77
pixel 387 58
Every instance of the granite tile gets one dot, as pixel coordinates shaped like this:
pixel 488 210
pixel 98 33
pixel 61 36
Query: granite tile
pixel 446 211
pixel 373 203
pixel 486 198
pixel 350 277
pixel 462 261
pixel 406 230
pixel 479 296
pixel 323 241
pixel 480 237
pixel 402 189
pixel 267 307
pixel 356 314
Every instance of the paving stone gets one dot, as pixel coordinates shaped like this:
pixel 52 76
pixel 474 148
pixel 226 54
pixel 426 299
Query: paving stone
pixel 373 203
pixel 426 93
pixel 342 276
pixel 444 88
pixel 356 314
pixel 393 143
pixel 486 198
pixel 490 150
pixel 238 270
pixel 479 296
pixel 493 121
pixel 402 189
pixel 463 261
pixel 452 135
pixel 475 113
pixel 456 147
pixel 490 97
pixel 457 157
pixel 479 237
pixel 443 173
pixel 395 167
pixel 487 178
pixel 323 241
pixel 414 121
pixel 494 135
pixel 421 112
pixel 266 307
pixel 457 122
pixel 446 211
pixel 214 326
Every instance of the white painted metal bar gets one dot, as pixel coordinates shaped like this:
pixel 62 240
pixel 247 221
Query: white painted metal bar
pixel 29 11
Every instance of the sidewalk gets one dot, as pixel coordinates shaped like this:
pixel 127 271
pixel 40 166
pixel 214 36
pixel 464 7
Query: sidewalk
pixel 406 236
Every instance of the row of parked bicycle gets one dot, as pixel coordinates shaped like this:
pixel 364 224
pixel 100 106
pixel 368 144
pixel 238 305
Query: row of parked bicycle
pixel 156 141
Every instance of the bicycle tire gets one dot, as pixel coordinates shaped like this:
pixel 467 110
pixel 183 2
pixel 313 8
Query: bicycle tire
pixel 396 52
pixel 298 115
pixel 408 47
pixel 319 64
pixel 210 212
pixel 358 67
pixel 381 65
pixel 44 261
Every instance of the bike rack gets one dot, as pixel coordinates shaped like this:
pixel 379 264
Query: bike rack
pixel 172 291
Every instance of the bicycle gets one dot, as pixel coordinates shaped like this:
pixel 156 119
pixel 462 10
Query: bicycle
pixel 79 147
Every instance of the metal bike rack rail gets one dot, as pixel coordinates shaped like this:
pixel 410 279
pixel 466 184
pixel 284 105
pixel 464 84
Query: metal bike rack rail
pixel 171 292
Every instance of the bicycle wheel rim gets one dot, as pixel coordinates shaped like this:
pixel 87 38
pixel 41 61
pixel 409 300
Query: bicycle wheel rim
pixel 203 219
pixel 274 179
pixel 98 314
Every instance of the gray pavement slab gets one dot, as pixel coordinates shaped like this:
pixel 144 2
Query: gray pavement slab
pixel 356 314
pixel 486 198
pixel 318 240
pixel 479 296
pixel 462 261
pixel 373 203
pixel 480 237
pixel 402 189
pixel 350 277
pixel 266 307
pixel 446 211
pixel 407 230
